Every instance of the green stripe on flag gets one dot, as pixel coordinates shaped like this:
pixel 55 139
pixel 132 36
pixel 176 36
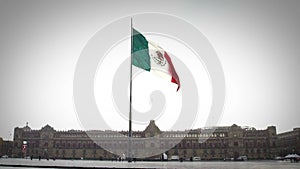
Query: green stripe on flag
pixel 140 51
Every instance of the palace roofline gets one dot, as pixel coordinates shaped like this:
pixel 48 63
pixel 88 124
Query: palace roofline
pixel 152 125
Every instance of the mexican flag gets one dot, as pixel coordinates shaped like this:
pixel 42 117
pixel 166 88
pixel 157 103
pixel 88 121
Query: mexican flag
pixel 151 57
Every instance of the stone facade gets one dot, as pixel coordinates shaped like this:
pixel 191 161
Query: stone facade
pixel 208 143
pixel 289 142
pixel 5 147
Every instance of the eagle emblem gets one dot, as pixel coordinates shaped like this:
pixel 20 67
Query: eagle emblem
pixel 159 59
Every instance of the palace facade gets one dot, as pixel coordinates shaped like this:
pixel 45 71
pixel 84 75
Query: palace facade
pixel 5 147
pixel 288 142
pixel 216 143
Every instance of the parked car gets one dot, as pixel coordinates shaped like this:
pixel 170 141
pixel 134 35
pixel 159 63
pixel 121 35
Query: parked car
pixel 174 157
pixel 242 158
pixel 4 156
pixel 196 158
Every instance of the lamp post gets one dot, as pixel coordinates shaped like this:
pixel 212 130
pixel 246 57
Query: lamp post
pixel 24 148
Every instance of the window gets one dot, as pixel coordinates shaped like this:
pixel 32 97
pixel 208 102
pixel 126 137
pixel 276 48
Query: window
pixel 258 151
pixel 213 153
pixel 161 145
pixel 236 143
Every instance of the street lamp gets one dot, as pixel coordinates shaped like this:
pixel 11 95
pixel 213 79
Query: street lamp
pixel 24 148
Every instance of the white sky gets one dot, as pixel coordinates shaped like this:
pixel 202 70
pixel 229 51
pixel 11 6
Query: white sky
pixel 146 82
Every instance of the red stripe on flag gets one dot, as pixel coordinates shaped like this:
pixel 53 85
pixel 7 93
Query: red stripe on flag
pixel 175 78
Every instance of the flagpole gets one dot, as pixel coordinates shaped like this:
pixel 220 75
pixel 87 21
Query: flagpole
pixel 130 99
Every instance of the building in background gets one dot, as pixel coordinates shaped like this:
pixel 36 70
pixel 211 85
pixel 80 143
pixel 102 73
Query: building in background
pixel 289 142
pixel 207 143
pixel 6 147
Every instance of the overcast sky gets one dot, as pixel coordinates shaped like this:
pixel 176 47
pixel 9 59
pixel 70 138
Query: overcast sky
pixel 257 42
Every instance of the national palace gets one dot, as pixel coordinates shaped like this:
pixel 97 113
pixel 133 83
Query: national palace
pixel 215 143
